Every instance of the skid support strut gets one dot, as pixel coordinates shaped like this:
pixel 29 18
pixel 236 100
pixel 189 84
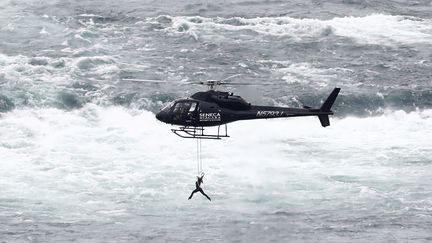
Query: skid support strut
pixel 198 132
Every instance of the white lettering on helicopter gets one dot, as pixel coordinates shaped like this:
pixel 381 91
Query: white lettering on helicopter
pixel 210 117
pixel 269 113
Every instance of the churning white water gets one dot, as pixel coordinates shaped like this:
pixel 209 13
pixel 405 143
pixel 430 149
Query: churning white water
pixel 68 175
pixel 83 159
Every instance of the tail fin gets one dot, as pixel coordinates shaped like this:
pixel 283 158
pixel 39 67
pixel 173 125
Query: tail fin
pixel 330 100
pixel 326 107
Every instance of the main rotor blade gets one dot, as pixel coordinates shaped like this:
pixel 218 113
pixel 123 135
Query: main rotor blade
pixel 206 82
pixel 230 77
pixel 240 84
pixel 144 80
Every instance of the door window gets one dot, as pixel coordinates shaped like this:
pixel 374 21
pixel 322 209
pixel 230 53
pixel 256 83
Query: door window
pixel 183 110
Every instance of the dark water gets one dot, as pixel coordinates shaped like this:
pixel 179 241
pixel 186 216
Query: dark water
pixel 83 158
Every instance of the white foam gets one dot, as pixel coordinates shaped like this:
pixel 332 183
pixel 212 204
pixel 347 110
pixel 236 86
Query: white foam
pixel 24 69
pixel 51 76
pixel 99 66
pixel 384 29
pixel 371 29
pixel 114 149
pixel 306 73
pixel 100 164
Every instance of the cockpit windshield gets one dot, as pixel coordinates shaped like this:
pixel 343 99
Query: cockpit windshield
pixel 168 106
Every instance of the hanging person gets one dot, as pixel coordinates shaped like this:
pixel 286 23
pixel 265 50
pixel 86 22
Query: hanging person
pixel 198 187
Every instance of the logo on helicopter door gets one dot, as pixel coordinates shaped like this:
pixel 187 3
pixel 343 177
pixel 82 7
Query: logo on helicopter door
pixel 210 117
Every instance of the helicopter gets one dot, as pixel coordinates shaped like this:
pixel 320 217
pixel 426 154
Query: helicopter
pixel 213 108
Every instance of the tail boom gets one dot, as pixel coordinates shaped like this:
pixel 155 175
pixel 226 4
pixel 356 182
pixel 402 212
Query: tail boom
pixel 267 112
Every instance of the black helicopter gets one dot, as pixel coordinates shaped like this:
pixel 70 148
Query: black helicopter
pixel 215 108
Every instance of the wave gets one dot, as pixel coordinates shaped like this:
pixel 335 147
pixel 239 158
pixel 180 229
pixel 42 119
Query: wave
pixel 372 29
pixel 378 29
pixel 64 82
pixel 70 82
pixel 93 57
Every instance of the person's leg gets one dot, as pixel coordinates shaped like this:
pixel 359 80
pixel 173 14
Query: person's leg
pixel 193 192
pixel 205 195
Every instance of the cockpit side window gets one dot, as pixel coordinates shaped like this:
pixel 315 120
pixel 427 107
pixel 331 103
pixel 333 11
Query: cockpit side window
pixel 184 110
pixel 181 107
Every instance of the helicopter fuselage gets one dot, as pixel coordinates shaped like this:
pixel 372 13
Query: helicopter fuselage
pixel 215 108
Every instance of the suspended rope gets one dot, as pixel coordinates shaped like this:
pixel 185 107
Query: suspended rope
pixel 199 158
pixel 201 166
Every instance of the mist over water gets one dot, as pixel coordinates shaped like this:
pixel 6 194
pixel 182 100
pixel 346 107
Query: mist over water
pixel 82 157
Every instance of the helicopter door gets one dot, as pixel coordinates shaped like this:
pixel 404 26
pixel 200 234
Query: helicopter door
pixel 185 111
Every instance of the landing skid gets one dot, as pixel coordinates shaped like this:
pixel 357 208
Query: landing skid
pixel 198 132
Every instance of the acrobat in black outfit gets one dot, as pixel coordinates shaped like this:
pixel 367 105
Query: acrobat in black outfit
pixel 198 187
